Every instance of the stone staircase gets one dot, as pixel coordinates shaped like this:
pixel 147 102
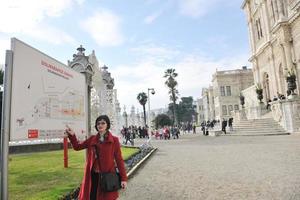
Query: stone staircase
pixel 256 127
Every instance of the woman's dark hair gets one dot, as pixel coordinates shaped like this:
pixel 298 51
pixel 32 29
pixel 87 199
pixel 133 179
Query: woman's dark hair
pixel 105 118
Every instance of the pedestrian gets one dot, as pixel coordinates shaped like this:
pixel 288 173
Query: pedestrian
pixel 224 124
pixel 127 136
pixel 203 124
pixel 207 128
pixel 194 129
pixel 268 104
pixel 230 121
pixel 103 155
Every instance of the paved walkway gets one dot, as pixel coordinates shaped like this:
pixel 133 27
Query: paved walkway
pixel 196 167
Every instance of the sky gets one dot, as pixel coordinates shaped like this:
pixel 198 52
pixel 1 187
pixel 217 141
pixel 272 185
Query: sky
pixel 137 40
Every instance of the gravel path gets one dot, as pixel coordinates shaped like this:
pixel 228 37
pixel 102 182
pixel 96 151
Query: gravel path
pixel 227 168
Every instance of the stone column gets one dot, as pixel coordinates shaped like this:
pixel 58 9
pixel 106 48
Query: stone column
pixel 251 29
pixel 291 116
pixel 275 77
pixel 280 10
pixel 276 10
pixel 288 55
pixel 266 22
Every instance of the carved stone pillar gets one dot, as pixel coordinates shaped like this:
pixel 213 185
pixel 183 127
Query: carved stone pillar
pixel 108 96
pixel 81 64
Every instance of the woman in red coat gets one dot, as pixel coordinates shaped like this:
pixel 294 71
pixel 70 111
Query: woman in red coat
pixel 108 147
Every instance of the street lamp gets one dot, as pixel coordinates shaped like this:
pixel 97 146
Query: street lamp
pixel 152 92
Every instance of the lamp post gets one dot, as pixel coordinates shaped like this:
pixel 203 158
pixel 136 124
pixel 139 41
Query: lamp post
pixel 152 92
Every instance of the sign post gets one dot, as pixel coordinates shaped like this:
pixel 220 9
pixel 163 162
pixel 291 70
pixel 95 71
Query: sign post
pixel 5 123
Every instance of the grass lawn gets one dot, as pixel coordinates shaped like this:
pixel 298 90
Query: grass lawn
pixel 42 175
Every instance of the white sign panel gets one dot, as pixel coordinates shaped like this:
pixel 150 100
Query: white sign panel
pixel 46 96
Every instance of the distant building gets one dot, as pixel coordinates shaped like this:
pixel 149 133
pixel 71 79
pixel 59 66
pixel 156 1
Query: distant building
pixel 200 111
pixel 208 103
pixel 223 96
pixel 227 86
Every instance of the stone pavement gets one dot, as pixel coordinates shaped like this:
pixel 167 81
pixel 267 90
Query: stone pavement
pixel 213 168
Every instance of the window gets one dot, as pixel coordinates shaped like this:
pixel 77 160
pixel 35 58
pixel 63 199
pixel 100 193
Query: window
pixel 228 90
pixel 230 108
pixel 236 107
pixel 224 110
pixel 222 90
pixel 258 29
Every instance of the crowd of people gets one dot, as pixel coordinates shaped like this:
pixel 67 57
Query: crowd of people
pixel 166 133
pixel 129 134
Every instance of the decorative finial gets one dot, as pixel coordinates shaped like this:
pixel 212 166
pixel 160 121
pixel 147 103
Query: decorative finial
pixel 80 50
pixel 104 67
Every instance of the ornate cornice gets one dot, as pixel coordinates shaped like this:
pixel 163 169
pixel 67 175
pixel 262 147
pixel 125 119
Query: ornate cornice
pixel 244 4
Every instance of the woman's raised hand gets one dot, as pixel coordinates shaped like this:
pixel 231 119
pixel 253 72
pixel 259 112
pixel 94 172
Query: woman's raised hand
pixel 69 131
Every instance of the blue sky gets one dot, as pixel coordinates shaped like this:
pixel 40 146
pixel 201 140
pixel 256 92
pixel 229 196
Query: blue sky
pixel 137 40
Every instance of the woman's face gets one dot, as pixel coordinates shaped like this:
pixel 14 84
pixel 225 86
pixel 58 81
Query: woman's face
pixel 102 126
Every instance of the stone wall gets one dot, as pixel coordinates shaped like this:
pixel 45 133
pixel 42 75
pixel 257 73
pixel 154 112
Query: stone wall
pixel 287 114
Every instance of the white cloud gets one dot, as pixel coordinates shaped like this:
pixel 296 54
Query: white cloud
pixel 196 8
pixel 138 77
pixel 104 27
pixel 51 34
pixel 155 52
pixel 27 17
pixel 4 45
pixel 18 15
pixel 151 18
pixel 194 73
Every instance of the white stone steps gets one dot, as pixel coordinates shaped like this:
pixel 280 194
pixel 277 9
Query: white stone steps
pixel 256 127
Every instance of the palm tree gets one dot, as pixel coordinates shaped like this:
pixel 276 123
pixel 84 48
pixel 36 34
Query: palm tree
pixel 171 83
pixel 142 98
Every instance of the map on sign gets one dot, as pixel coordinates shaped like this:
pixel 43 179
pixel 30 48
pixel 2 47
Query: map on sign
pixel 46 96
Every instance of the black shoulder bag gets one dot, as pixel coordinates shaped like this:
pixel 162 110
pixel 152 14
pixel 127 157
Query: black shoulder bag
pixel 109 181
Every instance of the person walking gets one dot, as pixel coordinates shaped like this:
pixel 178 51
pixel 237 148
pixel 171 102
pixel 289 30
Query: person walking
pixel 230 121
pixel 194 129
pixel 224 124
pixel 103 155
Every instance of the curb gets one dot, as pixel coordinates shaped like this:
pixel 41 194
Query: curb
pixel 256 134
pixel 139 164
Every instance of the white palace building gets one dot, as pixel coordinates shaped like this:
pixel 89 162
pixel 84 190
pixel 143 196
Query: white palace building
pixel 274 33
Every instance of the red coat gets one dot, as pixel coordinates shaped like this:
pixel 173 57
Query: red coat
pixel 110 152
